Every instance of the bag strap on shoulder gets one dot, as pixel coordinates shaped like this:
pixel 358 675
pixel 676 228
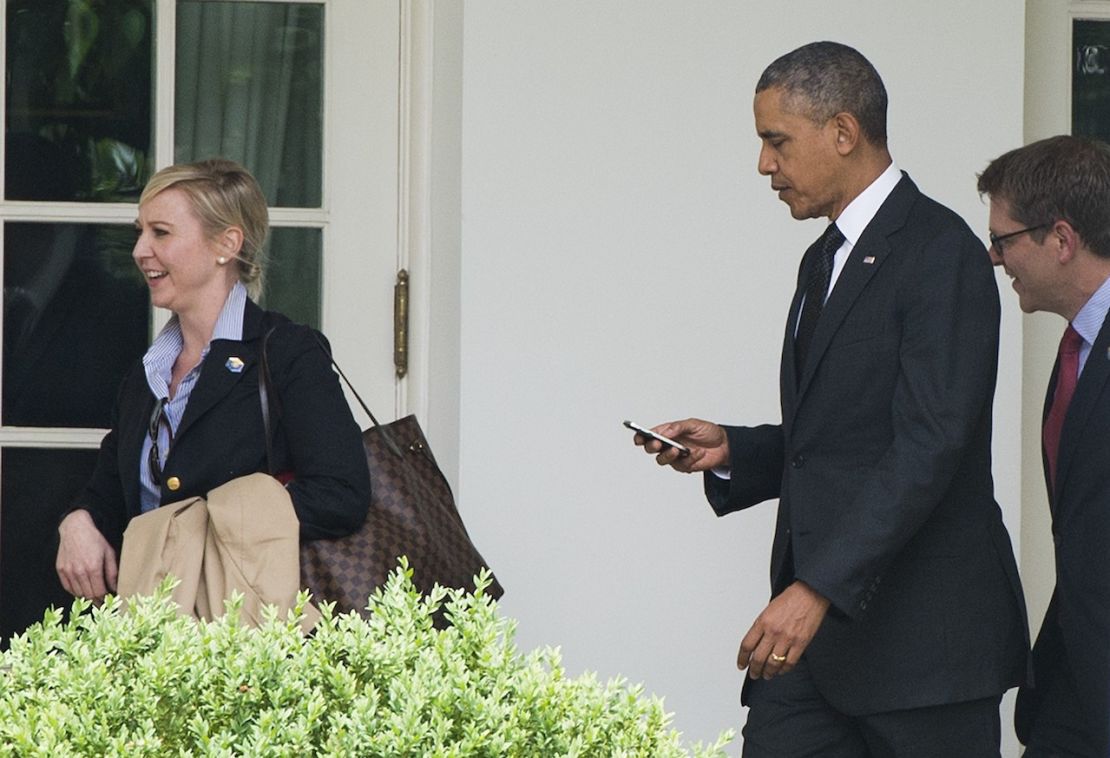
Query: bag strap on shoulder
pixel 265 393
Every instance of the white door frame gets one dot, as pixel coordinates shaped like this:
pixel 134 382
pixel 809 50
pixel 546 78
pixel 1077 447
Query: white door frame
pixel 414 252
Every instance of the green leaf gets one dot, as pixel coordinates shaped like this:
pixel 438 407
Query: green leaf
pixel 146 681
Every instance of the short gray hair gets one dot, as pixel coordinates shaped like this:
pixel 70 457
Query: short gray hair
pixel 822 79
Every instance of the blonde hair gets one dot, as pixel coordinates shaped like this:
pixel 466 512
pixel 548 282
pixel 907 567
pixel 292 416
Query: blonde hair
pixel 222 194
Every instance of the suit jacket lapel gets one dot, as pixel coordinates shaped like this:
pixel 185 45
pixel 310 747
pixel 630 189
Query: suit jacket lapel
pixel 788 368
pixel 216 378
pixel 1096 371
pixel 1049 394
pixel 135 410
pixel 867 256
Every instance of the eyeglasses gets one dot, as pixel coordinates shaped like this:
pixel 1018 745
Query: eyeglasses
pixel 157 418
pixel 998 239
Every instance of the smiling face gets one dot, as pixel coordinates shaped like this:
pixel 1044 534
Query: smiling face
pixel 800 156
pixel 1033 266
pixel 177 259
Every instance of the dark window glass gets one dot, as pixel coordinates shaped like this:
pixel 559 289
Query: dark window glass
pixel 38 486
pixel 1090 87
pixel 78 99
pixel 249 87
pixel 76 315
pixel 293 274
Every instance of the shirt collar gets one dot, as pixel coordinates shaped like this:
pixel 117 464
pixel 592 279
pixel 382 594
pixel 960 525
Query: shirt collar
pixel 1088 322
pixel 163 351
pixel 229 326
pixel 858 214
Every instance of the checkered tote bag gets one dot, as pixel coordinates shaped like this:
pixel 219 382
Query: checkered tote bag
pixel 412 513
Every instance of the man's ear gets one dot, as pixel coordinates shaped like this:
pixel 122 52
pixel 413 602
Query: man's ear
pixel 1065 242
pixel 847 131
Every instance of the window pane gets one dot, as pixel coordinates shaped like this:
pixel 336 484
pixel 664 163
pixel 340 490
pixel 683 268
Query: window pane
pixel 78 99
pixel 293 276
pixel 38 485
pixel 1090 101
pixel 249 87
pixel 76 315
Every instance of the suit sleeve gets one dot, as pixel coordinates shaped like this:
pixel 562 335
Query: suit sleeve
pixel 331 485
pixel 947 313
pixel 103 495
pixel 755 469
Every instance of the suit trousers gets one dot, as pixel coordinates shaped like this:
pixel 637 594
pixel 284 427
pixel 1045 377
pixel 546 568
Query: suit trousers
pixel 788 718
pixel 243 538
pixel 1062 727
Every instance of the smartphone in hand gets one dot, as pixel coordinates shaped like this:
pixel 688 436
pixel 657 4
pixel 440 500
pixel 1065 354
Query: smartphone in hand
pixel 667 441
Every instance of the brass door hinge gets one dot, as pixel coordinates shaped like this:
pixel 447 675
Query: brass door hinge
pixel 401 324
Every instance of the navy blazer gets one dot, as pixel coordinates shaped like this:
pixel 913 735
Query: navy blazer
pixel 1071 659
pixel 221 435
pixel 882 467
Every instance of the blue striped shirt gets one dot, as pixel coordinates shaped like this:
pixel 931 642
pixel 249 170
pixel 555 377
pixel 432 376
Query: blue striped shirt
pixel 158 364
pixel 1088 322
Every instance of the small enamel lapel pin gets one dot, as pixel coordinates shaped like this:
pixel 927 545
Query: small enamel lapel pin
pixel 869 259
pixel 234 365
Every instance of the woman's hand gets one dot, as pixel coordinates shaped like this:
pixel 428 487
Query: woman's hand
pixel 86 563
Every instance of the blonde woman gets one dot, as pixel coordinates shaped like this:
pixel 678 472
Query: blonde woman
pixel 188 417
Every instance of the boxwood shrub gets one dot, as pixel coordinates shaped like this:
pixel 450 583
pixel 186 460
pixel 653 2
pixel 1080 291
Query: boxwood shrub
pixel 149 682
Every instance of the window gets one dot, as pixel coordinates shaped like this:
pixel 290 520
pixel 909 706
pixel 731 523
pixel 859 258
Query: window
pixel 98 96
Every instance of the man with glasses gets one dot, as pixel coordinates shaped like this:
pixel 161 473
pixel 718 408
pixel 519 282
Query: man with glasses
pixel 1050 230
pixel 896 620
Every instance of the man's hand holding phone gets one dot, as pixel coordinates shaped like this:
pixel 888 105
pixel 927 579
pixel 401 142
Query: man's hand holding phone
pixel 686 446
pixel 666 442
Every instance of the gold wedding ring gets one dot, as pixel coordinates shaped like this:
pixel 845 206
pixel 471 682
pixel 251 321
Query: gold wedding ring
pixel 778 658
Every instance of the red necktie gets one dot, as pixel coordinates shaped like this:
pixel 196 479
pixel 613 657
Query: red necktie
pixel 1067 375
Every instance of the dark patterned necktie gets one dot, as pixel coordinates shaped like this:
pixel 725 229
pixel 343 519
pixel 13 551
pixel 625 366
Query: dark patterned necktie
pixel 1067 377
pixel 817 287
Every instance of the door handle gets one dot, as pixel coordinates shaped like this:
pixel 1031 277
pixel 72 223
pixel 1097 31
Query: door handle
pixel 401 324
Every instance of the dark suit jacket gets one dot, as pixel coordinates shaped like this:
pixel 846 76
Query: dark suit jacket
pixel 882 470
pixel 1071 660
pixel 221 435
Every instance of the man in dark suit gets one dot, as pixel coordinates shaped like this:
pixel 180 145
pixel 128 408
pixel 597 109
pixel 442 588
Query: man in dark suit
pixel 896 620
pixel 1050 230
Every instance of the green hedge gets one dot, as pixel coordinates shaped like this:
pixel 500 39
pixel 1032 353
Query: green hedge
pixel 152 683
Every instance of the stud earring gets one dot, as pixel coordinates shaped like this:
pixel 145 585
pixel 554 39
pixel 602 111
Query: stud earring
pixel 221 260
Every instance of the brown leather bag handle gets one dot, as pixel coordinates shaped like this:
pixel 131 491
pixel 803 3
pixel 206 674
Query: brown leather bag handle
pixel 265 393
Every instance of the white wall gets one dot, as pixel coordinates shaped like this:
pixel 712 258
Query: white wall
pixel 444 235
pixel 621 258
